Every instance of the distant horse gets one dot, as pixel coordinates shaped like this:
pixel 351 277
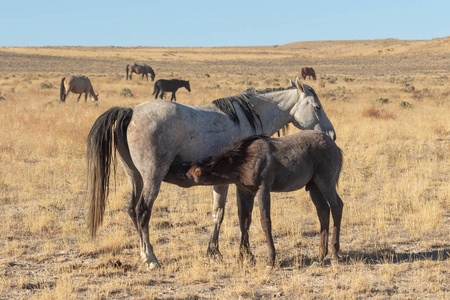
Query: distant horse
pixel 260 165
pixel 154 135
pixel 308 72
pixel 77 85
pixel 164 85
pixel 140 69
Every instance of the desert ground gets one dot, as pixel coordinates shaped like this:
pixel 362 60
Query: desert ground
pixel 389 101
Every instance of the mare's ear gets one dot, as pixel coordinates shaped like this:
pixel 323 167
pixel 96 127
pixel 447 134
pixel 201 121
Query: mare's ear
pixel 300 85
pixel 292 83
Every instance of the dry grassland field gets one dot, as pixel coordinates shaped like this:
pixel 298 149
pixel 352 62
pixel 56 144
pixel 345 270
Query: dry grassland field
pixel 389 101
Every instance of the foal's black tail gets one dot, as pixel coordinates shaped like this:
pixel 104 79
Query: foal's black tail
pixel 62 91
pixel 108 130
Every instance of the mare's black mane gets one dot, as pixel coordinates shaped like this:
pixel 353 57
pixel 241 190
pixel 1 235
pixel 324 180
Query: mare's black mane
pixel 245 102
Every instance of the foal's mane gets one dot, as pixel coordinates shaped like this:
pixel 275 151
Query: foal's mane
pixel 245 102
pixel 234 153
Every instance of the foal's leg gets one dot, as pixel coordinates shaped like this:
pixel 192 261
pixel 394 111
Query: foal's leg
pixel 79 96
pixel 263 196
pixel 174 98
pixel 245 203
pixel 157 93
pixel 336 211
pixel 323 212
pixel 220 198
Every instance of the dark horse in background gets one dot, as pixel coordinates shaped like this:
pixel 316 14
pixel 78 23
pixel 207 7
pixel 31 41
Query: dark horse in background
pixel 140 69
pixel 306 71
pixel 164 85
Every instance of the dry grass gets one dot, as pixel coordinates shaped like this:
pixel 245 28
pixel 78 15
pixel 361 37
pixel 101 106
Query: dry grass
pixel 396 226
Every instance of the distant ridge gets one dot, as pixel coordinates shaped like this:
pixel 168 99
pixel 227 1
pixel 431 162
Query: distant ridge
pixel 373 47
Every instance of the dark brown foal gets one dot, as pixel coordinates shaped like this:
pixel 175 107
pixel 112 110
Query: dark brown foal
pixel 259 165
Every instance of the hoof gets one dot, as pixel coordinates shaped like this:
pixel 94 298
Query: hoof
pixel 270 269
pixel 214 255
pixel 153 266
pixel 246 260
pixel 335 259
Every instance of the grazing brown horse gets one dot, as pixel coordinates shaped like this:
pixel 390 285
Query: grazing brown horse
pixel 308 72
pixel 140 69
pixel 77 85
pixel 259 165
pixel 164 85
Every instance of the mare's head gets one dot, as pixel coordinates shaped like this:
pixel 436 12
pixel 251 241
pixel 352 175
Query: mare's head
pixel 94 97
pixel 308 112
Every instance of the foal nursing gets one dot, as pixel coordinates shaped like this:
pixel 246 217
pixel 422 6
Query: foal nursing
pixel 259 165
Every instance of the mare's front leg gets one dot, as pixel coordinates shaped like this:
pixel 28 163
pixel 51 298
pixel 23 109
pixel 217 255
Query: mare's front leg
pixel 220 198
pixel 79 96
pixel 245 203
pixel 263 196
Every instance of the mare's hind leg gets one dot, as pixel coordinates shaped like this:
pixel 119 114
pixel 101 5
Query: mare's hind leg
pixel 245 203
pixel 157 93
pixel 323 212
pixel 162 94
pixel 220 198
pixel 143 214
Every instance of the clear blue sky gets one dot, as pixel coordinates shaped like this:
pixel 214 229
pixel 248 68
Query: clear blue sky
pixel 199 23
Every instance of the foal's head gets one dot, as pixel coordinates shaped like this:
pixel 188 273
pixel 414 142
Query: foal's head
pixel 226 167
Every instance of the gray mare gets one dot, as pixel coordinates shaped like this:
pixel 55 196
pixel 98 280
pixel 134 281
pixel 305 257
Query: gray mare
pixel 157 134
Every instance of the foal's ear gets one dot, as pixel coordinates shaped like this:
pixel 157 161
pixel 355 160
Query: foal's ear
pixel 197 173
pixel 300 85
